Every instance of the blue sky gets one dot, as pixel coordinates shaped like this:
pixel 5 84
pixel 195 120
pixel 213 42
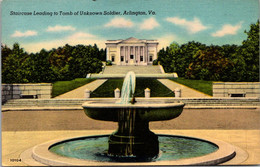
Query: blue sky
pixel 215 22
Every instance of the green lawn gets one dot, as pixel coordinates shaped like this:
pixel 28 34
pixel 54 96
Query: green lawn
pixel 200 85
pixel 157 89
pixel 60 87
pixel 107 88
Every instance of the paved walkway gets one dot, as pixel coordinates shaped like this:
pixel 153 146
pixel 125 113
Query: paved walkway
pixel 185 91
pixel 237 127
pixel 248 140
pixel 79 92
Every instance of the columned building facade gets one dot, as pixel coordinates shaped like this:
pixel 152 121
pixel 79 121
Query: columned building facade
pixel 132 51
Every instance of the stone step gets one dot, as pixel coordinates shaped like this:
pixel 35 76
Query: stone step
pixel 66 104
pixel 78 102
pixel 136 69
pixel 24 102
pixel 154 98
pixel 220 101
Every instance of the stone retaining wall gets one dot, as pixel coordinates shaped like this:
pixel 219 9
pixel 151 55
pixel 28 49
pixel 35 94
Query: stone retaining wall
pixel 17 91
pixel 236 89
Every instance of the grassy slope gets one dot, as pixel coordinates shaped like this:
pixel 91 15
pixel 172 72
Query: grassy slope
pixel 107 89
pixel 200 85
pixel 157 89
pixel 61 87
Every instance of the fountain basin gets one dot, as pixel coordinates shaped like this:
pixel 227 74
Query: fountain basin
pixel 96 146
pixel 145 111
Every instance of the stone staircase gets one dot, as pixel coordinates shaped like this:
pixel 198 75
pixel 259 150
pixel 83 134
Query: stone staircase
pixel 220 102
pixel 54 104
pixel 137 69
pixel 17 103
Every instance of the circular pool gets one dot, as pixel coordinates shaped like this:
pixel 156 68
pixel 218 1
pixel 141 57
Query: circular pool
pixel 174 150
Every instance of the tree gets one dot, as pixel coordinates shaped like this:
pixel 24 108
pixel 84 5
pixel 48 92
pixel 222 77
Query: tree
pixel 250 52
pixel 102 54
pixel 164 58
pixel 36 68
pixel 64 63
pixel 59 65
pixel 177 58
pixel 237 70
pixel 12 71
pixel 229 50
pixel 208 64
pixel 187 51
pixel 84 60
pixel 167 58
pixel 5 52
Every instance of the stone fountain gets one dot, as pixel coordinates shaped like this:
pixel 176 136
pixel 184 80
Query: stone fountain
pixel 133 137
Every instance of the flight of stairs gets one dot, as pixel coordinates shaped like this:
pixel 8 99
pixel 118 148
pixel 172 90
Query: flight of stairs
pixel 189 102
pixel 136 69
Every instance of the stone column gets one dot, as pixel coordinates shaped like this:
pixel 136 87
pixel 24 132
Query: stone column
pixel 125 54
pixel 156 51
pixel 147 93
pixel 138 54
pixel 119 55
pixel 143 54
pixel 117 93
pixel 146 54
pixel 128 55
pixel 177 92
pixel 87 93
pixel 134 54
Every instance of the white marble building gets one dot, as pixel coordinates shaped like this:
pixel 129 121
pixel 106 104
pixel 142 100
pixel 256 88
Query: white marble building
pixel 132 51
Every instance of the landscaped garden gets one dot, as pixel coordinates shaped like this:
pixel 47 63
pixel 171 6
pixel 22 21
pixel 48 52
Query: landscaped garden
pixel 107 89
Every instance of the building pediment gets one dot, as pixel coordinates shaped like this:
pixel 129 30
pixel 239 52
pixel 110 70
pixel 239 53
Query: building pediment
pixel 132 40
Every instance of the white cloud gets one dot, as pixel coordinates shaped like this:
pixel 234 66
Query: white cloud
pixel 166 40
pixel 80 35
pixel 193 26
pixel 149 24
pixel 24 34
pixel 119 22
pixel 74 39
pixel 227 29
pixel 59 28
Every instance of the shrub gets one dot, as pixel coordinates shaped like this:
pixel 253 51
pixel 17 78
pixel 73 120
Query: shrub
pixel 109 63
pixel 155 62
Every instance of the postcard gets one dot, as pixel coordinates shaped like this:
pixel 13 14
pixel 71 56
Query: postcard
pixel 130 83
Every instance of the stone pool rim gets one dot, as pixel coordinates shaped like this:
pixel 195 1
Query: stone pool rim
pixel 97 104
pixel 41 154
